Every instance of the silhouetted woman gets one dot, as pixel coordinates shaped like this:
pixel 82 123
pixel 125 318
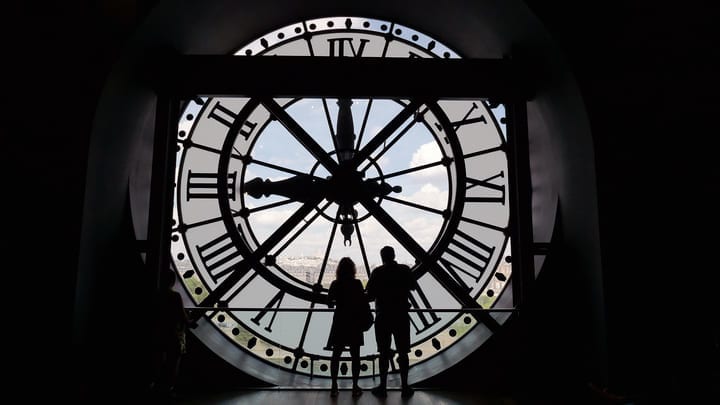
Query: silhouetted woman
pixel 346 295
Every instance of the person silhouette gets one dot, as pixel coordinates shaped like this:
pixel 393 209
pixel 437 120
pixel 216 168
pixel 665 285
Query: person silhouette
pixel 346 295
pixel 170 325
pixel 390 285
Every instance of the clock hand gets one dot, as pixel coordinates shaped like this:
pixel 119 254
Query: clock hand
pixel 344 135
pixel 346 190
pixel 298 188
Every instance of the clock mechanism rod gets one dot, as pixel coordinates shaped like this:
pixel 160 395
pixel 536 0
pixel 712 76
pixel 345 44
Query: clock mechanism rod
pixel 276 309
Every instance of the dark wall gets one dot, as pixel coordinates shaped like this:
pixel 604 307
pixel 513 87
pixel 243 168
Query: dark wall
pixel 647 74
pixel 648 82
pixel 61 55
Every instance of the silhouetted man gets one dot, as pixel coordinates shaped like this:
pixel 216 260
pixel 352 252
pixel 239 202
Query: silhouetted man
pixel 389 285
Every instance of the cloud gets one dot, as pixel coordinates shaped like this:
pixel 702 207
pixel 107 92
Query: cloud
pixel 431 196
pixel 272 217
pixel 424 226
pixel 427 153
pixel 424 229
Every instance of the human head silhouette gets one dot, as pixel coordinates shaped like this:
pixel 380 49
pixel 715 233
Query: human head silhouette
pixel 387 254
pixel 345 269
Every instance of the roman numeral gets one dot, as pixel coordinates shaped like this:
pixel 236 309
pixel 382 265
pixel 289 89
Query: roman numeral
pixel 458 124
pixel 466 255
pixel 227 117
pixel 466 120
pixel 247 128
pixel 219 256
pixel 205 185
pixel 421 321
pixel 222 114
pixel 274 303
pixel 345 47
pixel 487 184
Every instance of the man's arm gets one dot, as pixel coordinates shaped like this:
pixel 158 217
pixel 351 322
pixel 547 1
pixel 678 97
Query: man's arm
pixel 412 282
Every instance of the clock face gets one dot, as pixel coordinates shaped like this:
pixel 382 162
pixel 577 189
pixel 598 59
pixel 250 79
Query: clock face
pixel 270 193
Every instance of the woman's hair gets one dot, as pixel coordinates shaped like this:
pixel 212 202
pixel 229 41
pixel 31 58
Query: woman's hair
pixel 345 269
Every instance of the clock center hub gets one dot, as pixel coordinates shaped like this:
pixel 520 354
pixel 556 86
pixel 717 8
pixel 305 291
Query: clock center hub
pixel 346 186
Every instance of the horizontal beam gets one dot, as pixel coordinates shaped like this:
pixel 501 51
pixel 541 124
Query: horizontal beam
pixel 187 76
pixel 240 309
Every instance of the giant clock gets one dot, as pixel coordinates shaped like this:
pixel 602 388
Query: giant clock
pixel 271 192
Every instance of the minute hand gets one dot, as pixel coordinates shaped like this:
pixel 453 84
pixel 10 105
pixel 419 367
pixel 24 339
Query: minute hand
pixel 384 133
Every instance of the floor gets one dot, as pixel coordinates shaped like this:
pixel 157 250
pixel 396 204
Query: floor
pixel 282 396
pixel 317 397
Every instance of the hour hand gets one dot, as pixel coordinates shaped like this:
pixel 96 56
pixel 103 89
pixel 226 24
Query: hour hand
pixel 298 188
pixel 345 137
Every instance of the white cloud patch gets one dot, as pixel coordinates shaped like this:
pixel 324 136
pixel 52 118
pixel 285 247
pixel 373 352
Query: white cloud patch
pixel 425 154
pixel 430 196
pixel 273 217
pixel 374 131
pixel 424 229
